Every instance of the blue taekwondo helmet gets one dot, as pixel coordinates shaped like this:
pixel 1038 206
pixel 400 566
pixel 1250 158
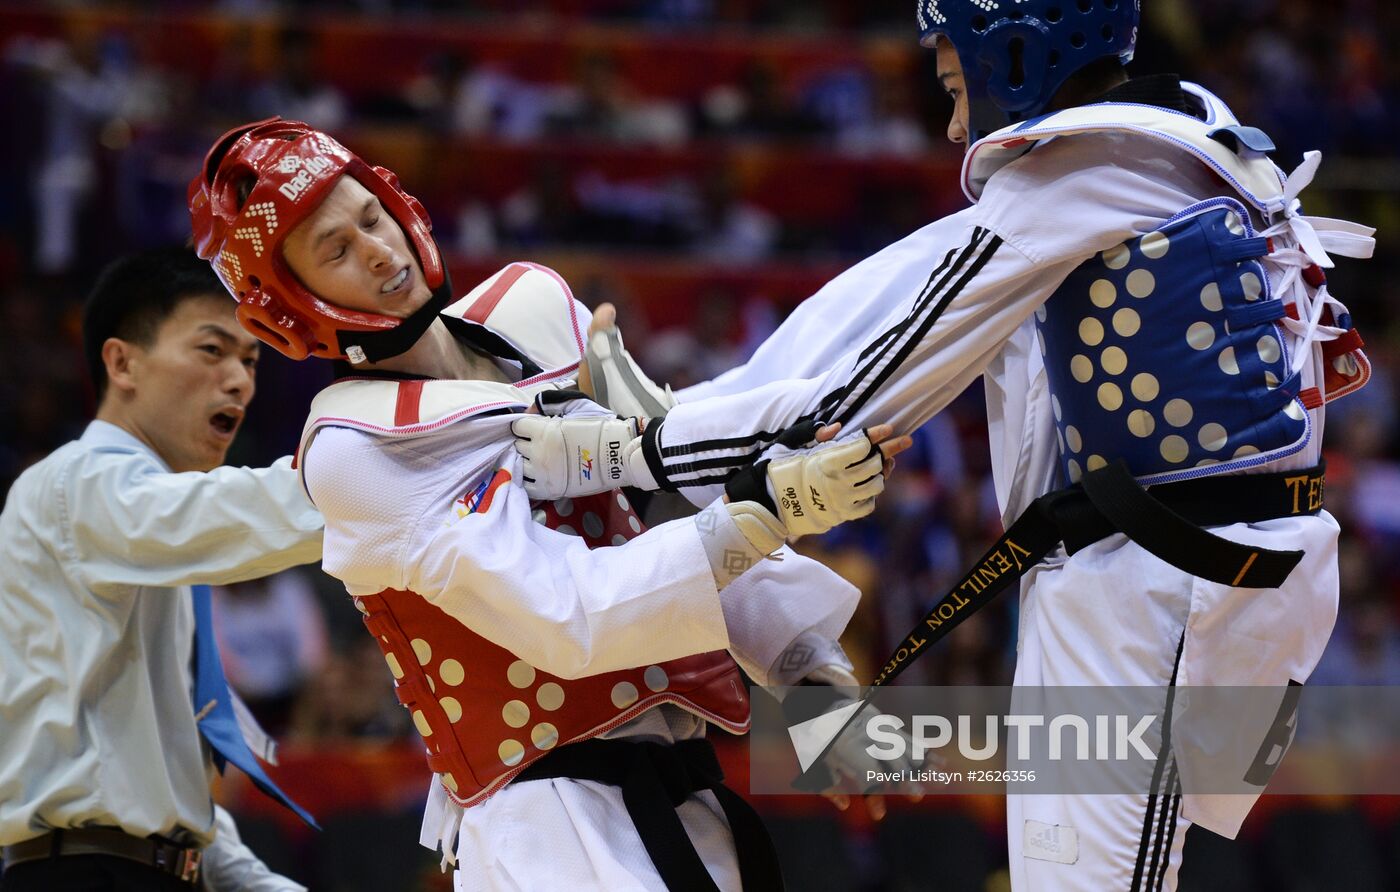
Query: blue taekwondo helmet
pixel 1016 54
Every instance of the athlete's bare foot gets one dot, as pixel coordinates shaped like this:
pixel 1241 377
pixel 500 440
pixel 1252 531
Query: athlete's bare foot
pixel 604 318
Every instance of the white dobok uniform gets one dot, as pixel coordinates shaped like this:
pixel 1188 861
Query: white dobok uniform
pixel 957 299
pixel 395 519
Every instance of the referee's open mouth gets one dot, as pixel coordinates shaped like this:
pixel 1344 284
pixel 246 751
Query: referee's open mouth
pixel 225 422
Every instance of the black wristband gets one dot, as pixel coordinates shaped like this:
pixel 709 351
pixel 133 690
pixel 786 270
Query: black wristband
pixel 808 700
pixel 800 435
pixel 548 398
pixel 651 451
pixel 750 485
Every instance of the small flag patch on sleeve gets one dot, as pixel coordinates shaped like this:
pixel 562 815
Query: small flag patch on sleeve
pixel 477 500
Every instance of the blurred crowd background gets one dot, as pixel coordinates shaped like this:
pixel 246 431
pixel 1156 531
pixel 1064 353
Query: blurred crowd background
pixel 704 165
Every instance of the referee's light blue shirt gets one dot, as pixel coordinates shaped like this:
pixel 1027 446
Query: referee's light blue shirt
pixel 99 544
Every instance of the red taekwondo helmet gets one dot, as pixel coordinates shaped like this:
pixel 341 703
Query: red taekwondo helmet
pixel 284 170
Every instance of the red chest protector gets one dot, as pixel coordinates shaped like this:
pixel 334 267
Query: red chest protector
pixel 485 714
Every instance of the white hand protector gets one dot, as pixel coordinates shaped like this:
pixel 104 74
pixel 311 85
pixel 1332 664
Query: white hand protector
pixel 813 491
pixel 619 383
pixel 848 765
pixel 835 676
pixel 759 526
pixel 736 536
pixel 853 767
pixel 579 455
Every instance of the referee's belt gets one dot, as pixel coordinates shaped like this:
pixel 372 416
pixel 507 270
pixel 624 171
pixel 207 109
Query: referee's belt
pixel 182 862
pixel 654 779
pixel 1166 520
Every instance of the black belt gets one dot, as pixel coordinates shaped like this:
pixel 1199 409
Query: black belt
pixel 167 857
pixel 655 779
pixel 1165 520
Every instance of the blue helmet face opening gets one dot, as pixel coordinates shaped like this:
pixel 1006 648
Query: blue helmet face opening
pixel 1017 54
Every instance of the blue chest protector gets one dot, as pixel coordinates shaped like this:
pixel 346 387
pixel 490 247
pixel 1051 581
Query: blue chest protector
pixel 1172 352
pixel 1166 352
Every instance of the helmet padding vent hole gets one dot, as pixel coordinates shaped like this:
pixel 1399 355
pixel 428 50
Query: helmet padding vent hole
pixel 271 333
pixel 1107 32
pixel 979 23
pixel 1086 5
pixel 255 281
pixel 1053 15
pixel 1077 40
pixel 1016 47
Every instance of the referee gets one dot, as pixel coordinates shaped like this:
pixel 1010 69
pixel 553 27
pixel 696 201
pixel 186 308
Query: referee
pixel 113 708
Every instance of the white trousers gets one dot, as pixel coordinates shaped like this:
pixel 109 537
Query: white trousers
pixel 560 833
pixel 1113 615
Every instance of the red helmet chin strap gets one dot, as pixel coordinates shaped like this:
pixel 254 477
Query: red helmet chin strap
pixel 258 183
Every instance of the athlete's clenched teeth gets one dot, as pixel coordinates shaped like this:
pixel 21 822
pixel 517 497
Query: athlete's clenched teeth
pixel 395 282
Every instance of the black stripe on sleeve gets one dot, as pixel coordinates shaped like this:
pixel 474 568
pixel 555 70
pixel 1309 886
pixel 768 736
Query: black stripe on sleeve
pixel 715 445
pixel 913 341
pixel 832 400
pixel 879 342
pixel 753 444
pixel 711 480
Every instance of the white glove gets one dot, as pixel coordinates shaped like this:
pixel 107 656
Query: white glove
pixel 579 455
pixel 832 483
pixel 813 491
pixel 852 766
pixel 849 760
pixel 847 766
pixel 618 382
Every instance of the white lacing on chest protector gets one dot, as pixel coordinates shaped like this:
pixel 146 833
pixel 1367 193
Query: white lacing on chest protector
pixel 1303 242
